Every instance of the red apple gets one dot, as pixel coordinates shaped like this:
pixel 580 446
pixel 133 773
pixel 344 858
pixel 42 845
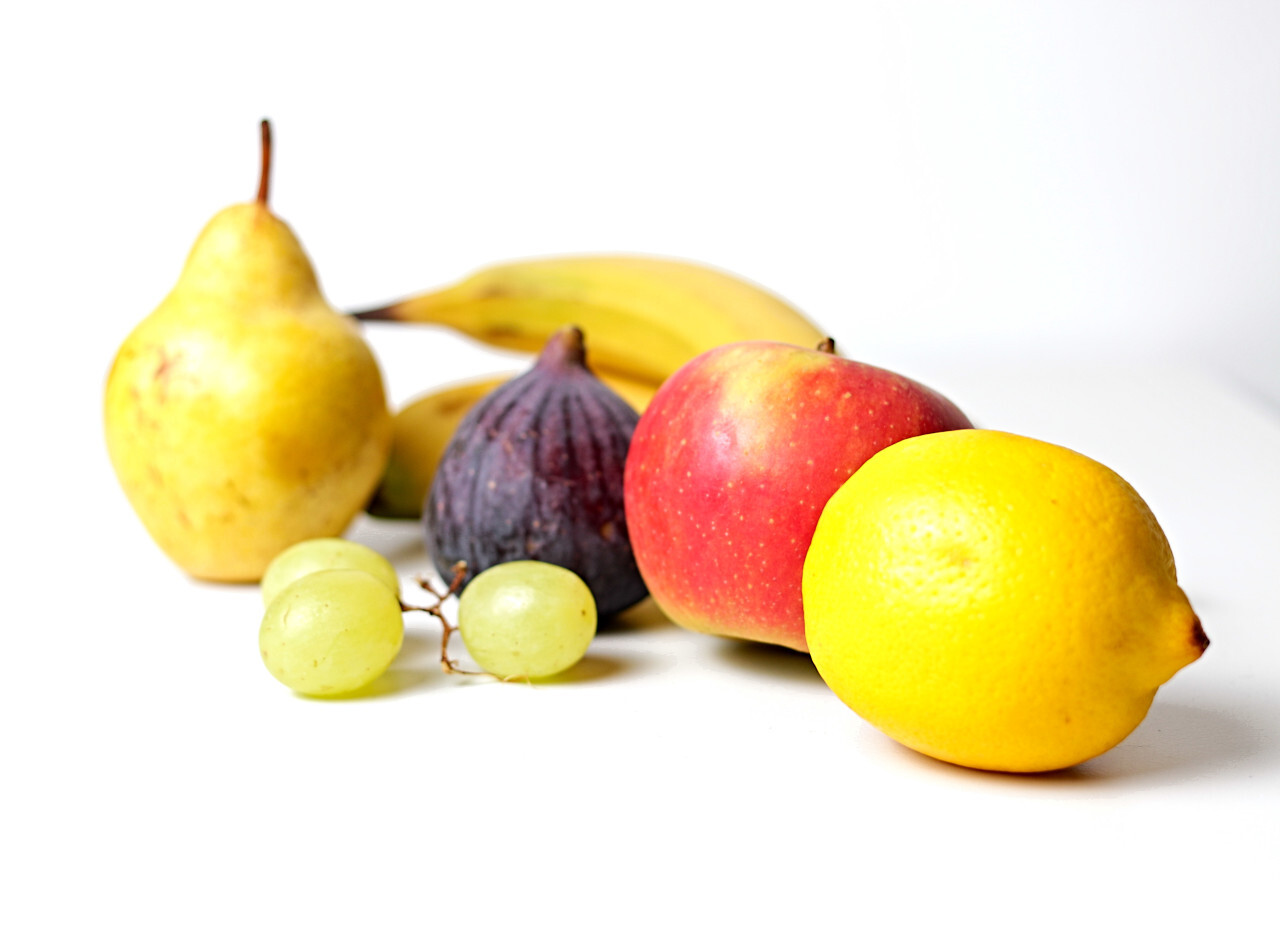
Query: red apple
pixel 731 465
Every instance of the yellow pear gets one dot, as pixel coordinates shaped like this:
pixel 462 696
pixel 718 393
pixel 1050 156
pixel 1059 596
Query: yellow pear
pixel 244 414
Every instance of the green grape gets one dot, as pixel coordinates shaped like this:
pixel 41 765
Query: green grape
pixel 325 553
pixel 331 632
pixel 526 619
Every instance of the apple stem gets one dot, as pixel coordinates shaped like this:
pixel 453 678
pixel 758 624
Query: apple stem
pixel 264 179
pixel 827 345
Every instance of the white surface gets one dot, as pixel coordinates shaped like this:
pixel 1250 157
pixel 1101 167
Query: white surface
pixel 1064 215
pixel 153 761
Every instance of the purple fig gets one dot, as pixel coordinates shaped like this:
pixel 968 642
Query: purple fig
pixel 534 471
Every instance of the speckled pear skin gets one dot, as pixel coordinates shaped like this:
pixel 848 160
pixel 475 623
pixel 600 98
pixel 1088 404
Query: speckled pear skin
pixel 244 414
pixel 535 471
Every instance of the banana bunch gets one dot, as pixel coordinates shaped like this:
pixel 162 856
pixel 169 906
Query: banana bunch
pixel 642 317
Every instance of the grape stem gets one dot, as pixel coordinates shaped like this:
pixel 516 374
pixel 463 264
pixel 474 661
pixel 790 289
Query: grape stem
pixel 450 666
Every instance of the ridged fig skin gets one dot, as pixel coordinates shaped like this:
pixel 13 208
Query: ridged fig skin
pixel 535 471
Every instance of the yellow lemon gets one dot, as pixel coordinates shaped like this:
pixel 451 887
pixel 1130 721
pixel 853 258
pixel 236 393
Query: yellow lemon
pixel 995 601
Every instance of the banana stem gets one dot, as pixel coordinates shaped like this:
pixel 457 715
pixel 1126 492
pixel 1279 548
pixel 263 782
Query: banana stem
pixel 381 313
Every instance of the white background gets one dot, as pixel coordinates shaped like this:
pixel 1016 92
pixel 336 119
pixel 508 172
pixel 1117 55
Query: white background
pixel 1064 215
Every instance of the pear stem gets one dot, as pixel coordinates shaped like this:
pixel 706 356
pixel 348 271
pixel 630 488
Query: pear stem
pixel 264 179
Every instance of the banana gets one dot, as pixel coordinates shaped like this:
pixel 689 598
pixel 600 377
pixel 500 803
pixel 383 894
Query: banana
pixel 422 428
pixel 643 317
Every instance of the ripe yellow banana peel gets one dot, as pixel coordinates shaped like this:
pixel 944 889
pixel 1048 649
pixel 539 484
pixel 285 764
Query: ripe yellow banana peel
pixel 642 318
pixel 423 427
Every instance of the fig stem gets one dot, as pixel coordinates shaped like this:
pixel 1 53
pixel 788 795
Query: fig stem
pixel 264 177
pixel 565 347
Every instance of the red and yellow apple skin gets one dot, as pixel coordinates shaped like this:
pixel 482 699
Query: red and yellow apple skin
pixel 731 465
